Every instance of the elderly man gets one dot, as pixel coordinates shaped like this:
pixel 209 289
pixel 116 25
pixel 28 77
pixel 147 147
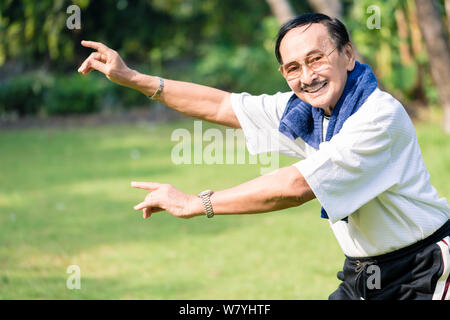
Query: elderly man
pixel 359 157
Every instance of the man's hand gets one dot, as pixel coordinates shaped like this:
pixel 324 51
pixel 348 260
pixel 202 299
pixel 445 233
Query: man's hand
pixel 191 99
pixel 284 188
pixel 108 62
pixel 166 197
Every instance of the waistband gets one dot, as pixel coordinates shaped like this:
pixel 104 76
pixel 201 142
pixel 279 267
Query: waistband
pixel 438 235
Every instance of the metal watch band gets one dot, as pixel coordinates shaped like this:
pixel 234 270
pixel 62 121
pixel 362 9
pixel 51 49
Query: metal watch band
pixel 206 200
pixel 159 90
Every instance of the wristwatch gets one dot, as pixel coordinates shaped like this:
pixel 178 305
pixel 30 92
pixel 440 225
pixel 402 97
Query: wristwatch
pixel 159 90
pixel 206 199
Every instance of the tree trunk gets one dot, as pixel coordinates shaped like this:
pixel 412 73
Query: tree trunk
pixel 447 10
pixel 416 35
pixel 332 8
pixel 418 50
pixel 282 10
pixel 436 42
pixel 403 34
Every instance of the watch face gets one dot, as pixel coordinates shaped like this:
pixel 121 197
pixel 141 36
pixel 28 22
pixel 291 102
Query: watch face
pixel 205 193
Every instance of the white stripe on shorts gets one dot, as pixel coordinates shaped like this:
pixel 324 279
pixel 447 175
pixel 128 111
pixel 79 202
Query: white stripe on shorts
pixel 443 285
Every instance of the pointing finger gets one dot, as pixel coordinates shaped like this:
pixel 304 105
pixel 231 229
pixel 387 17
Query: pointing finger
pixel 151 186
pixel 100 47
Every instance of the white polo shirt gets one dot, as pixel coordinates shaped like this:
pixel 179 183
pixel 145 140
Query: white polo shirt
pixel 372 171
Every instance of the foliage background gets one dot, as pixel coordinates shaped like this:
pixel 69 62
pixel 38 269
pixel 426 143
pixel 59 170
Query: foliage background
pixel 225 44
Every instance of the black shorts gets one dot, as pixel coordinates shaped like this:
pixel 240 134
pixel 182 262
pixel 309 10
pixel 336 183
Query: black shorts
pixel 417 272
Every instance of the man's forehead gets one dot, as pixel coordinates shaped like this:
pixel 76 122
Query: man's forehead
pixel 301 40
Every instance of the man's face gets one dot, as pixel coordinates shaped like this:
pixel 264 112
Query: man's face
pixel 321 89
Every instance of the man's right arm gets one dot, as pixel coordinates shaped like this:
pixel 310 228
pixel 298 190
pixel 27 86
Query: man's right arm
pixel 191 99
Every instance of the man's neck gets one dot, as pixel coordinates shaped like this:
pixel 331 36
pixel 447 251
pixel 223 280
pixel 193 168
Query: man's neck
pixel 328 111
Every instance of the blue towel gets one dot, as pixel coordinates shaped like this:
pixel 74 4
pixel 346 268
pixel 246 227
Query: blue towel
pixel 302 120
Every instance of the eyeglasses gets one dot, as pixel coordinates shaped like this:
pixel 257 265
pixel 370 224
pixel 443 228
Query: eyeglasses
pixel 316 62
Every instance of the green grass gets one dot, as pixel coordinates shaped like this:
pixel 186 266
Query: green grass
pixel 65 199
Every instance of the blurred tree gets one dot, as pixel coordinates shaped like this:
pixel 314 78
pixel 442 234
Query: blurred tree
pixel 282 10
pixel 447 9
pixel 226 44
pixel 332 8
pixel 436 41
pixel 419 92
pixel 403 34
pixel 382 48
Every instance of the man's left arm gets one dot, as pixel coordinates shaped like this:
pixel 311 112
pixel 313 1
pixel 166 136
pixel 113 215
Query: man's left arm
pixel 281 189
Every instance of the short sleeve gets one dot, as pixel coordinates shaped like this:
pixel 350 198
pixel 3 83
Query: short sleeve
pixel 355 166
pixel 259 117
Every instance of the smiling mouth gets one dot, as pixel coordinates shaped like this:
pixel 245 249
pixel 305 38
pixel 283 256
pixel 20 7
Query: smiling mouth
pixel 316 87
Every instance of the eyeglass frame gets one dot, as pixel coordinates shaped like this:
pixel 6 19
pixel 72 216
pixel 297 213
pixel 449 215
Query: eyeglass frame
pixel 303 64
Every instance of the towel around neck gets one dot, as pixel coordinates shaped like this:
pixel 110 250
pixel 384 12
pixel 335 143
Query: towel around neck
pixel 300 119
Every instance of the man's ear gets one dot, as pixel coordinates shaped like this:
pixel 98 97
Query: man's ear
pixel 349 53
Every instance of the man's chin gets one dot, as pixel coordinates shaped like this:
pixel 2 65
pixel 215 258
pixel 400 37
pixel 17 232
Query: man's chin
pixel 324 106
pixel 319 104
pixel 322 101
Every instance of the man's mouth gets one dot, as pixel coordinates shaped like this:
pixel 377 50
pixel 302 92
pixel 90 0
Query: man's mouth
pixel 314 87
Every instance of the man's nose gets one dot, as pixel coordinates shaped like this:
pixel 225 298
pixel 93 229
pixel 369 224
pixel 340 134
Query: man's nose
pixel 308 76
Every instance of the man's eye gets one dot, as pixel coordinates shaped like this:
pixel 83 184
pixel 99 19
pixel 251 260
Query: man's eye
pixel 315 59
pixel 292 68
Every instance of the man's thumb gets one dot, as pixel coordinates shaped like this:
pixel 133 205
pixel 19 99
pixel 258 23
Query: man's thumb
pixel 97 65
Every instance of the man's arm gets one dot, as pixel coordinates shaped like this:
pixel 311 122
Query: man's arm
pixel 191 99
pixel 284 188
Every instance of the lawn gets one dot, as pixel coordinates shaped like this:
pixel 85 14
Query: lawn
pixel 65 199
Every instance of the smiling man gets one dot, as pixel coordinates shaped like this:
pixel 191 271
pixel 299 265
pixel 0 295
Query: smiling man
pixel 358 155
pixel 313 81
